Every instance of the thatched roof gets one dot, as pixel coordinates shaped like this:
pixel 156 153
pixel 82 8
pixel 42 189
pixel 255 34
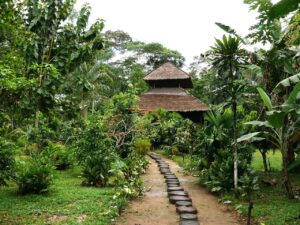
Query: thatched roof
pixel 168 75
pixel 171 99
pixel 167 71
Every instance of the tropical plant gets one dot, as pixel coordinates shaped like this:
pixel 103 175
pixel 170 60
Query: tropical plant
pixel 95 153
pixel 227 57
pixel 34 175
pixel 283 130
pixel 93 83
pixel 7 160
pixel 61 156
pixel 142 146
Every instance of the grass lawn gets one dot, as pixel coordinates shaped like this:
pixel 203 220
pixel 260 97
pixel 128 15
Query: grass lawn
pixel 274 160
pixel 67 203
pixel 271 205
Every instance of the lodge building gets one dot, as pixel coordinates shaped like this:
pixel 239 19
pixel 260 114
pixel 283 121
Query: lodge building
pixel 167 86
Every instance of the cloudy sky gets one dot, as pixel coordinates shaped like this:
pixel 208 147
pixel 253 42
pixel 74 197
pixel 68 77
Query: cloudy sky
pixel 187 26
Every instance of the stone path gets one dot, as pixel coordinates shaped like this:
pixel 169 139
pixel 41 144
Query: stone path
pixel 174 198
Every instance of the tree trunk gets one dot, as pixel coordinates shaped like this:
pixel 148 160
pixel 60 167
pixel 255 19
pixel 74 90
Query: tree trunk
pixel 85 113
pixel 235 144
pixel 287 180
pixel 93 106
pixel 264 158
pixel 285 151
pixel 37 118
pixel 291 154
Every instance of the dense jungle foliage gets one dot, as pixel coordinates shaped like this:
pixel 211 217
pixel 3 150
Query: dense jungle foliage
pixel 69 93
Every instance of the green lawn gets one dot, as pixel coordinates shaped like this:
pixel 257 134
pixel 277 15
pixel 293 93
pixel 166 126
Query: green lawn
pixel 271 205
pixel 274 160
pixel 67 203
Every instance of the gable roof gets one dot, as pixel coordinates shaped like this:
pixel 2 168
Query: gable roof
pixel 167 71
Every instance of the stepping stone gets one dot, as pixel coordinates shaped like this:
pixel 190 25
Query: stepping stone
pixel 162 164
pixel 172 178
pixel 172 182
pixel 178 193
pixel 170 175
pixel 183 203
pixel 163 171
pixel 164 168
pixel 189 222
pixel 173 199
pixel 186 209
pixel 161 167
pixel 175 189
pixel 188 216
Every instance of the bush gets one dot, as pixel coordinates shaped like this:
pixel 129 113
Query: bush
pixel 218 176
pixel 7 161
pixel 213 145
pixel 136 164
pixel 142 146
pixel 95 153
pixel 60 155
pixel 35 176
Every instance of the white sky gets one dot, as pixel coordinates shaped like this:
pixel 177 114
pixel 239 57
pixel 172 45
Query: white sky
pixel 187 26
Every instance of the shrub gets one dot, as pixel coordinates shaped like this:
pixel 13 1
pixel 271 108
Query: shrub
pixel 213 145
pixel 142 146
pixel 136 164
pixel 174 150
pixel 95 153
pixel 60 155
pixel 7 161
pixel 219 175
pixel 35 175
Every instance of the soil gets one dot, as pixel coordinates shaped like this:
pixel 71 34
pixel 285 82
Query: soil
pixel 154 208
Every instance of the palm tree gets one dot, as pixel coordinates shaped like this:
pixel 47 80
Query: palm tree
pixel 227 57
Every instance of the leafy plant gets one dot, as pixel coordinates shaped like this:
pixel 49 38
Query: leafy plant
pixel 61 156
pixel 95 153
pixel 7 160
pixel 35 175
pixel 277 121
pixel 228 57
pixel 142 146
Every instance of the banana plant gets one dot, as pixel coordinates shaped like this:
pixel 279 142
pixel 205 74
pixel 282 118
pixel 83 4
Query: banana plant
pixel 283 126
